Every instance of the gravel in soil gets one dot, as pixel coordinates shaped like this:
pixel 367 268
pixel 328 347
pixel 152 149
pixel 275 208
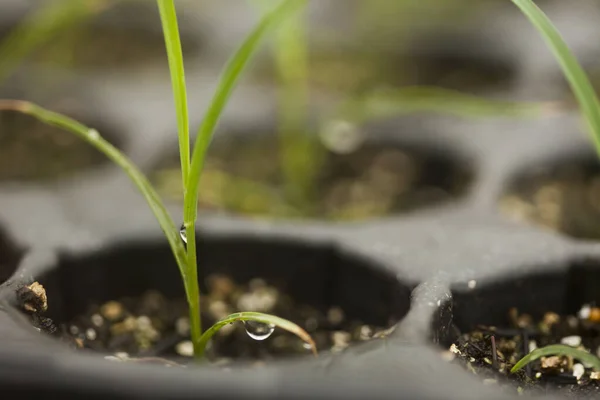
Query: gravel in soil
pixel 563 375
pixel 152 328
pixel 245 177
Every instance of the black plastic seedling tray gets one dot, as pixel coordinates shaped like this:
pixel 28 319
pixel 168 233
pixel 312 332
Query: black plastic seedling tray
pixel 439 268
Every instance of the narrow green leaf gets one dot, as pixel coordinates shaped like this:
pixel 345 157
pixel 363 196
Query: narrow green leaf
pixel 227 82
pixel 263 319
pixel 558 350
pixel 168 17
pixel 415 99
pixel 577 78
pixel 225 86
pixel 92 137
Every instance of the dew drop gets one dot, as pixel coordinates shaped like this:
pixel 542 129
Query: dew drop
pixel 182 234
pixel 93 134
pixel 258 330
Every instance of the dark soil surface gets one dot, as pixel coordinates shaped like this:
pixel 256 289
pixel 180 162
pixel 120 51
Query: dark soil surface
pixel 33 151
pixel 89 40
pixel 564 198
pixel 354 73
pixel 245 177
pixel 96 47
pixel 153 328
pixel 554 374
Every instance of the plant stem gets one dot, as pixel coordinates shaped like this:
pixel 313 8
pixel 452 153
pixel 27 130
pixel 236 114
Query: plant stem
pixel 168 18
pixel 194 293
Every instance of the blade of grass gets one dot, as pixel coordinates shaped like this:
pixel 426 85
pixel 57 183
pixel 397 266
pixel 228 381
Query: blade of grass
pixel 558 350
pixel 291 61
pixel 227 82
pixel 92 137
pixel 263 319
pixel 168 17
pixel 428 99
pixel 578 80
pixel 225 86
pixel 40 26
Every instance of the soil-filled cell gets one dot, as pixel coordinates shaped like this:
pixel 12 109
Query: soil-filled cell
pixel 563 196
pixel 129 299
pixel 97 35
pixel 495 325
pixel 255 177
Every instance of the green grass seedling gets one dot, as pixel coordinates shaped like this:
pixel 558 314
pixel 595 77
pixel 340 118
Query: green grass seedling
pixel 191 168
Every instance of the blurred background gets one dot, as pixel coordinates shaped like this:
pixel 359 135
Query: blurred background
pixel 304 135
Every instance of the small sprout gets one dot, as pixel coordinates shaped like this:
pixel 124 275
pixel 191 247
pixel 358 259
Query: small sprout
pixel 558 350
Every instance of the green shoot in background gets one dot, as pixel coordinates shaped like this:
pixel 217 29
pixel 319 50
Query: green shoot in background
pixel 185 256
pixel 300 153
pixel 590 108
pixel 39 27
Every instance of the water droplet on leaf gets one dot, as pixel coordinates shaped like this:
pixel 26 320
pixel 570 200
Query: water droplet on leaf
pixel 93 134
pixel 182 234
pixel 258 330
